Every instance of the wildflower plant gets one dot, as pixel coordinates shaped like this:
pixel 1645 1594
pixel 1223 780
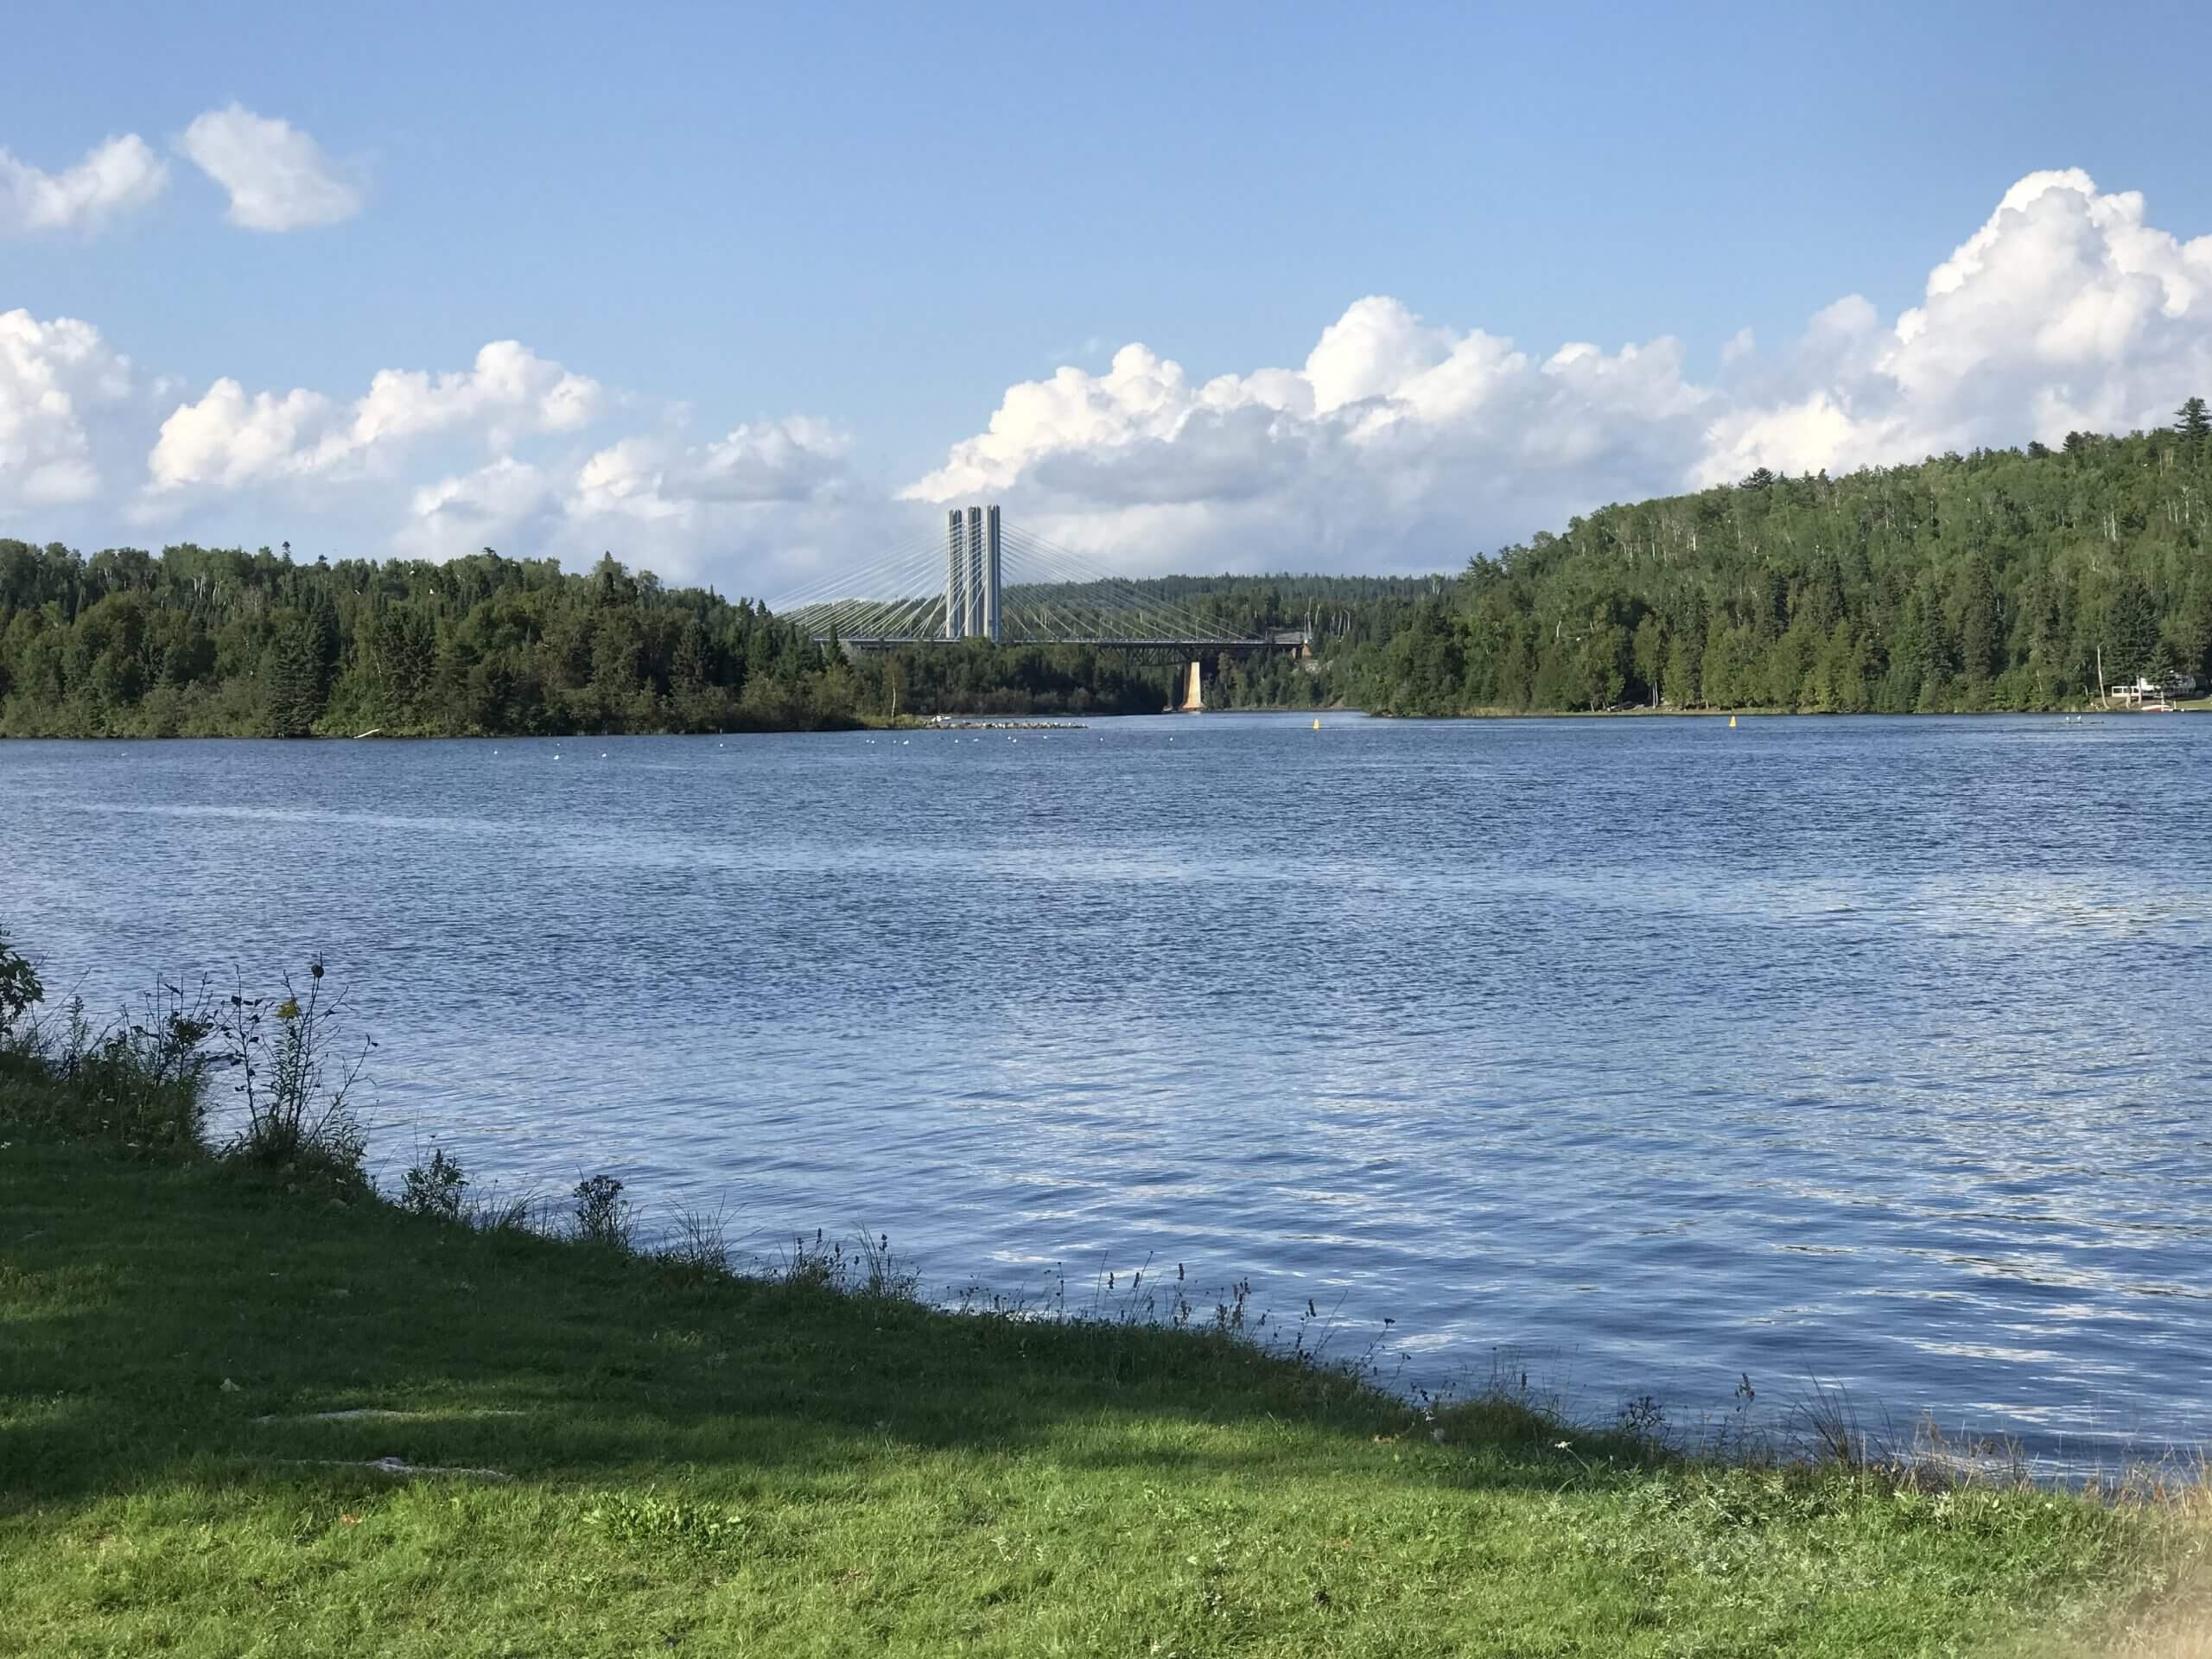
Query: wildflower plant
pixel 296 1085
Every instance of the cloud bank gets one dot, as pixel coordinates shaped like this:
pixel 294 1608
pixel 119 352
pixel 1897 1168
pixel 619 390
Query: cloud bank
pixel 1397 443
pixel 1401 444
pixel 228 439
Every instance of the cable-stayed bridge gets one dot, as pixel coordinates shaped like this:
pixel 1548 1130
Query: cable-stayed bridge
pixel 985 579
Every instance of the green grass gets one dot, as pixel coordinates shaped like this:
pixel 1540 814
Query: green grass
pixel 699 1465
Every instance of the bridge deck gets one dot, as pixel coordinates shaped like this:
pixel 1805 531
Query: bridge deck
pixel 1286 641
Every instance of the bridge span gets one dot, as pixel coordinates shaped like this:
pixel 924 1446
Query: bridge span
pixel 989 580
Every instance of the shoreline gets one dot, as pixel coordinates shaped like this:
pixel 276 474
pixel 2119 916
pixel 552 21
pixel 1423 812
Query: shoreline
pixel 422 1383
pixel 1050 721
pixel 287 1389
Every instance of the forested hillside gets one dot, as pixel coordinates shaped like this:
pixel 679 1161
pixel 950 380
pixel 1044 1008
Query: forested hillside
pixel 1988 580
pixel 220 642
pixel 1992 581
pixel 209 642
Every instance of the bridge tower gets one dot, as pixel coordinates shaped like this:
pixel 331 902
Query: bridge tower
pixel 971 574
pixel 972 626
pixel 991 573
pixel 955 575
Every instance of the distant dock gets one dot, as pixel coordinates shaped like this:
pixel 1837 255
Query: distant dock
pixel 946 723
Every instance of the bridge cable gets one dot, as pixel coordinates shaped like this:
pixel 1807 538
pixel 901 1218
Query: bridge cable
pixel 1168 621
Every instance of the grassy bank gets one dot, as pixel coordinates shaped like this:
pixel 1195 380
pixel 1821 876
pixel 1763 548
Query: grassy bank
pixel 204 1357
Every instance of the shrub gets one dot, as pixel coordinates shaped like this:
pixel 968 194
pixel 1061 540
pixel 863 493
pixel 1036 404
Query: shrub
pixel 19 991
pixel 435 1189
pixel 140 1080
pixel 602 1213
pixel 144 1081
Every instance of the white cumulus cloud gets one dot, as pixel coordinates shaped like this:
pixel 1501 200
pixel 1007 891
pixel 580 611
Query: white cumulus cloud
pixel 489 507
pixel 2065 310
pixel 278 176
pixel 763 463
pixel 229 438
pixel 114 177
pixel 1403 443
pixel 764 500
pixel 1396 443
pixel 52 376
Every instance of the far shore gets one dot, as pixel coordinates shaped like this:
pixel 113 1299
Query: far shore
pixel 908 723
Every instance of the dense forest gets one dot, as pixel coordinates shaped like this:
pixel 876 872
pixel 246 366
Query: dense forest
pixel 212 642
pixel 1998 579
pixel 204 641
pixel 2004 579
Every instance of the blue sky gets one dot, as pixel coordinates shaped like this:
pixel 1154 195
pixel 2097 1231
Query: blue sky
pixel 876 221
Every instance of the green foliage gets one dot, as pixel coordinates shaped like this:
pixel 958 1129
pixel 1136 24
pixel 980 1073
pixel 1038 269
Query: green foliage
pixel 435 1189
pixel 295 1091
pixel 602 1214
pixel 2192 425
pixel 20 990
pixel 1995 580
pixel 209 642
pixel 137 1084
pixel 218 642
pixel 864 1265
pixel 673 1525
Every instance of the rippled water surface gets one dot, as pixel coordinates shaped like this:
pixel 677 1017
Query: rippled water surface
pixel 1875 1051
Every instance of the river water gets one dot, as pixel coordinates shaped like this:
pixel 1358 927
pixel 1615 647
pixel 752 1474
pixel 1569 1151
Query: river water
pixel 1644 1056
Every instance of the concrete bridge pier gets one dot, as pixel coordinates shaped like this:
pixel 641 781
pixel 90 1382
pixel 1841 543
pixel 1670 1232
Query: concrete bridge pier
pixel 1194 694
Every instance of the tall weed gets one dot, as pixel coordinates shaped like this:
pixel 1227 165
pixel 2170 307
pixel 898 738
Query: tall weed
pixel 296 1082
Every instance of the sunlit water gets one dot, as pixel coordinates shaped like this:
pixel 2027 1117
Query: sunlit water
pixel 1873 1051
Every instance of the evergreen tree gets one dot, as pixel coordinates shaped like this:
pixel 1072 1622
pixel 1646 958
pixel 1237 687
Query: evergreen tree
pixel 2131 631
pixel 293 678
pixel 2194 424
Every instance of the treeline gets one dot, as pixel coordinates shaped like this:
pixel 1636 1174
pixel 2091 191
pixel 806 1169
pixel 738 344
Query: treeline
pixel 221 643
pixel 218 642
pixel 2004 579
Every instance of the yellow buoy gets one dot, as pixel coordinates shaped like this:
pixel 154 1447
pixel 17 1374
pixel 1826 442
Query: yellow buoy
pixel 1317 725
pixel 1731 722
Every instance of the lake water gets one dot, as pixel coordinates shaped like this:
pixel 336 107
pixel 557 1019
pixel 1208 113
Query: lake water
pixel 1641 1054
